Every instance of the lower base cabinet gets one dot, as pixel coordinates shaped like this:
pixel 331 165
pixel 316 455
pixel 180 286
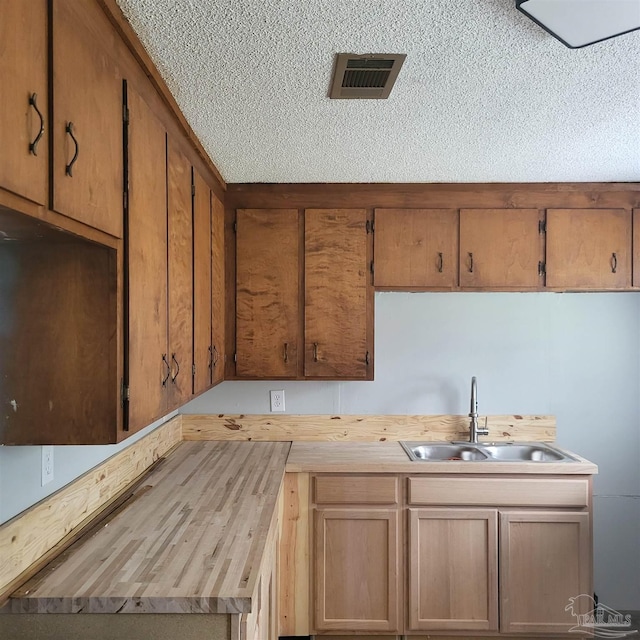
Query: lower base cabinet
pixel 545 566
pixel 453 570
pixel 508 556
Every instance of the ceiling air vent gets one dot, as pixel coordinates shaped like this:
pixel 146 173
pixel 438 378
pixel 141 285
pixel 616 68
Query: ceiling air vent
pixel 367 76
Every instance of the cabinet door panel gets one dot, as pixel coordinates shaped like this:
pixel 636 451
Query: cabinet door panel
pixel 356 569
pixel 147 241
pixel 202 347
pixel 500 248
pixel 337 311
pixel 180 277
pixel 416 248
pixel 23 72
pixel 87 93
pixel 267 292
pixel 589 248
pixel 545 562
pixel 217 289
pixel 453 571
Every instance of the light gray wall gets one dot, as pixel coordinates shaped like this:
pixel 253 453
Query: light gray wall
pixel 575 356
pixel 21 467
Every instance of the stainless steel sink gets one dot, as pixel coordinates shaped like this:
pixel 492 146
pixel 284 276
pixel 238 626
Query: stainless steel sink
pixel 443 451
pixel 485 452
pixel 530 452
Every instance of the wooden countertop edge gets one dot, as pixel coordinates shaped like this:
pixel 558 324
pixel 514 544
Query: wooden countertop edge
pixel 450 468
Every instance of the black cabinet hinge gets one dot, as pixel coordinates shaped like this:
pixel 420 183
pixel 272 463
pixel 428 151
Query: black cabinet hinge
pixel 371 267
pixel 193 190
pixel 235 357
pixel 542 268
pixel 235 226
pixel 369 226
pixel 542 226
pixel 124 393
pixel 193 369
pixel 125 114
pixel 125 199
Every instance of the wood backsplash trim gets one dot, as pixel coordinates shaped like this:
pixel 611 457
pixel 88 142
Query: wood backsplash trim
pixel 32 534
pixel 367 428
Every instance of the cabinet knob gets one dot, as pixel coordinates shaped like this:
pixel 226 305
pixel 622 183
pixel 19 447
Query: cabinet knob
pixel 315 352
pixel 470 262
pixel 440 262
pixel 614 263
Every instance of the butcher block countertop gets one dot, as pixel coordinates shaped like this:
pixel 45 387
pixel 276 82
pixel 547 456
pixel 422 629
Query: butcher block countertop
pixel 390 457
pixel 191 539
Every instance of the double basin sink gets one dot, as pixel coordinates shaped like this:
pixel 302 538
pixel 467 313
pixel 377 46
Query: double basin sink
pixel 485 452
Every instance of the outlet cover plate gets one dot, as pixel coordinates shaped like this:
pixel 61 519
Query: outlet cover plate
pixel 277 400
pixel 47 464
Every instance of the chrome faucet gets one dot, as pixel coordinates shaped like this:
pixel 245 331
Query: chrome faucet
pixel 474 430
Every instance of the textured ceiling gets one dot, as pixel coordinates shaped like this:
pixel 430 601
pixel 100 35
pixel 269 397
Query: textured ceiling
pixel 485 95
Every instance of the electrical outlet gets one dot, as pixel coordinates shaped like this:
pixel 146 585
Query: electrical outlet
pixel 47 464
pixel 277 400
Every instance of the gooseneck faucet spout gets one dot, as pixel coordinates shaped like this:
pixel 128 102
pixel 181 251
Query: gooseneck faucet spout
pixel 474 430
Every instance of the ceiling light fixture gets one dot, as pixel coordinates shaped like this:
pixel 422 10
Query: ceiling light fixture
pixel 579 23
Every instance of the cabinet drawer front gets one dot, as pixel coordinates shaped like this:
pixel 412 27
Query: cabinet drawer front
pixel 503 492
pixel 371 489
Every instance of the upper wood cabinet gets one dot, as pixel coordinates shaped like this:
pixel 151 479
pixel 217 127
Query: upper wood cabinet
pixel 267 293
pixel 218 290
pixel 202 285
pixel 416 248
pixel 334 310
pixel 501 248
pixel 24 125
pixel 87 117
pixel 453 572
pixel 545 566
pixel 589 248
pixel 338 305
pixel 146 233
pixel 180 273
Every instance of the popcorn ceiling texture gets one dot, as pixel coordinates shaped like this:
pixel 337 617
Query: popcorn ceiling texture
pixel 485 95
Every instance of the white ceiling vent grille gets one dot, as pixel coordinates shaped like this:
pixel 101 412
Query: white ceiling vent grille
pixel 368 76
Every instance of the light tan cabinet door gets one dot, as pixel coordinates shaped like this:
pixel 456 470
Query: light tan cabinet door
pixel 338 312
pixel 356 570
pixel 147 272
pixel 87 126
pixel 180 271
pixel 202 283
pixel 218 291
pixel 23 78
pixel 267 293
pixel 416 248
pixel 545 563
pixel 501 249
pixel 453 570
pixel 589 248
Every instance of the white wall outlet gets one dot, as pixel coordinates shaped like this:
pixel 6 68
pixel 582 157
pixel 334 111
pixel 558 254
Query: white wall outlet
pixel 277 400
pixel 47 464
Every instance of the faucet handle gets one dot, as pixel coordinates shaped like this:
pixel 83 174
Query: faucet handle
pixel 484 431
